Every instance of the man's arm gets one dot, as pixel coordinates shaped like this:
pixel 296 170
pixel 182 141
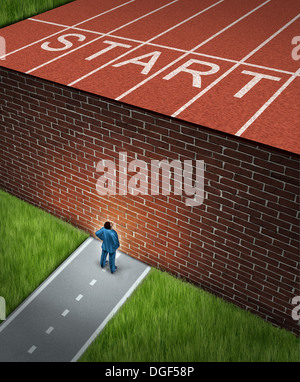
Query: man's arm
pixel 100 234
pixel 116 240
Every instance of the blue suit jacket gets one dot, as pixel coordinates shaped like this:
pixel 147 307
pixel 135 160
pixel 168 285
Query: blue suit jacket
pixel 110 239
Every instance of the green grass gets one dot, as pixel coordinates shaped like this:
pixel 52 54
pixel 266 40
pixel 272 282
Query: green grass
pixel 16 10
pixel 33 244
pixel 168 320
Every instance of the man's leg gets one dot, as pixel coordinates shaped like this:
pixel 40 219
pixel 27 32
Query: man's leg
pixel 103 258
pixel 112 257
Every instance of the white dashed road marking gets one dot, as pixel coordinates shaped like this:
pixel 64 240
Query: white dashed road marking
pixel 49 330
pixel 65 312
pixel 32 349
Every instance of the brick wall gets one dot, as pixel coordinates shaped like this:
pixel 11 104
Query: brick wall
pixel 241 244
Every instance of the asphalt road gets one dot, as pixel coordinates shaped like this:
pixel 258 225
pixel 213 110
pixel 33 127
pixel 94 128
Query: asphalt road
pixel 59 320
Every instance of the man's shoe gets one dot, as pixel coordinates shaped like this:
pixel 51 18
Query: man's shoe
pixel 115 269
pixel 104 264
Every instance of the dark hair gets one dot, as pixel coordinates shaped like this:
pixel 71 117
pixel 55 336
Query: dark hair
pixel 107 225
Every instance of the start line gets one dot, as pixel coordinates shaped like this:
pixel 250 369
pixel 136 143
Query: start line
pixel 196 68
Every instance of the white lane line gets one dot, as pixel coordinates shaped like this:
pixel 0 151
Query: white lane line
pixel 267 104
pixel 190 102
pixel 68 28
pixel 190 51
pixel 99 38
pixel 110 315
pixel 58 25
pixel 142 44
pixel 45 283
pixel 170 48
pixel 93 282
pixel 49 330
pixel 79 297
pixel 32 349
pixel 65 312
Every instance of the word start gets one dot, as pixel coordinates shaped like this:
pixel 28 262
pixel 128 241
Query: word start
pixel 147 61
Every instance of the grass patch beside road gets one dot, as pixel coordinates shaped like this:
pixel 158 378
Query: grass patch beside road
pixel 168 320
pixel 16 10
pixel 33 244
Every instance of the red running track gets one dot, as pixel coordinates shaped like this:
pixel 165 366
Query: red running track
pixel 230 65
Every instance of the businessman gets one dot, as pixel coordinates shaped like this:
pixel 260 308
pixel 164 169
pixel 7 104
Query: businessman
pixel 110 244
